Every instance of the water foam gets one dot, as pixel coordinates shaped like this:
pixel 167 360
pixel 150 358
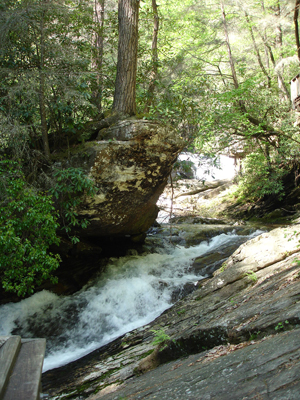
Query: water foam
pixel 131 292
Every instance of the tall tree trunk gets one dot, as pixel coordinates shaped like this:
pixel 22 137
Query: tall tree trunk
pixel 233 72
pixel 42 91
pixel 249 23
pixel 268 130
pixel 278 27
pixel 99 8
pixel 264 36
pixel 281 84
pixel 296 14
pixel 285 94
pixel 125 86
pixel 153 74
pixel 280 80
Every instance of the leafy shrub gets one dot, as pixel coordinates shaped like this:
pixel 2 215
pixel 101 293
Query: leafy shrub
pixel 28 223
pixel 260 178
pixel 71 184
pixel 160 337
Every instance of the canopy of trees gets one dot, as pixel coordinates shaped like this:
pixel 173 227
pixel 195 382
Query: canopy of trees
pixel 217 72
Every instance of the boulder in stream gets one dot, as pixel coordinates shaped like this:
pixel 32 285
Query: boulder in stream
pixel 130 167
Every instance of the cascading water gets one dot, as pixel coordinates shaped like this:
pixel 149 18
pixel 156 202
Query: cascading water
pixel 131 292
pixel 204 169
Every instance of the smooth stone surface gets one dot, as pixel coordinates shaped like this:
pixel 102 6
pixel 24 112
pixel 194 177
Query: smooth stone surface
pixel 269 369
pixel 254 296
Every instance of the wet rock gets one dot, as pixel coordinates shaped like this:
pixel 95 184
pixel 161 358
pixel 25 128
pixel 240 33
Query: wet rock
pixel 180 293
pixel 268 369
pixel 210 262
pixel 253 297
pixel 187 234
pixel 278 213
pixel 197 220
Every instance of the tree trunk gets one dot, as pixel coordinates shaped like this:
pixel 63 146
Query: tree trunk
pixel 296 13
pixel 278 39
pixel 249 23
pixel 268 130
pixel 264 37
pixel 281 84
pixel 153 74
pixel 234 76
pixel 280 80
pixel 125 86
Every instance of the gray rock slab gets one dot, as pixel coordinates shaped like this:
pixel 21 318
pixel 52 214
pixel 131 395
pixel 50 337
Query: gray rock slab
pixel 255 296
pixel 269 369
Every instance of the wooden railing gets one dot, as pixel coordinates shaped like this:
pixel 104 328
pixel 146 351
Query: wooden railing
pixel 21 362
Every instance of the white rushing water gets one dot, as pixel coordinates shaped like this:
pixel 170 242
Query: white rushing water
pixel 204 169
pixel 131 292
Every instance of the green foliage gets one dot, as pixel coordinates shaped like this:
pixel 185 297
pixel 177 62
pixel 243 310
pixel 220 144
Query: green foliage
pixel 194 89
pixel 251 275
pixel 183 169
pixel 70 186
pixel 49 40
pixel 160 337
pixel 28 226
pixel 281 325
pixel 260 178
pixel 254 335
pixel 223 266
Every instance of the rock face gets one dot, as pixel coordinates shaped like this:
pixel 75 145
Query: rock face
pixel 239 330
pixel 271 368
pixel 130 169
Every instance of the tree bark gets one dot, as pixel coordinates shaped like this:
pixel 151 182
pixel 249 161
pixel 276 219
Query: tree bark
pixel 279 42
pixel 278 31
pixel 234 76
pixel 256 49
pixel 281 84
pixel 125 86
pixel 264 36
pixel 296 13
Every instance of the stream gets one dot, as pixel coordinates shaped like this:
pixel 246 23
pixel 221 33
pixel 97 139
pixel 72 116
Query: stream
pixel 131 292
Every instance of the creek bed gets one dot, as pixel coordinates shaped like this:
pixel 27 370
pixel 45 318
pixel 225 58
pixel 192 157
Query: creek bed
pixel 131 292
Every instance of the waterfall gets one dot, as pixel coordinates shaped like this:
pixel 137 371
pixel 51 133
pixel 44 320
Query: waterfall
pixel 131 292
pixel 206 169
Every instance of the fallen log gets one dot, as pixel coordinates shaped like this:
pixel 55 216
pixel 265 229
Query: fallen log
pixel 211 185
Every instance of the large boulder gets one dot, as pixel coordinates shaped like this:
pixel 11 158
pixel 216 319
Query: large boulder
pixel 130 167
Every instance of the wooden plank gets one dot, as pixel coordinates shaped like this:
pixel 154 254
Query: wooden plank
pixel 3 339
pixel 25 381
pixel 9 350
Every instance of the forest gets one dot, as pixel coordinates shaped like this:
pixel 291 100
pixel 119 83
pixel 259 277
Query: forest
pixel 218 72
